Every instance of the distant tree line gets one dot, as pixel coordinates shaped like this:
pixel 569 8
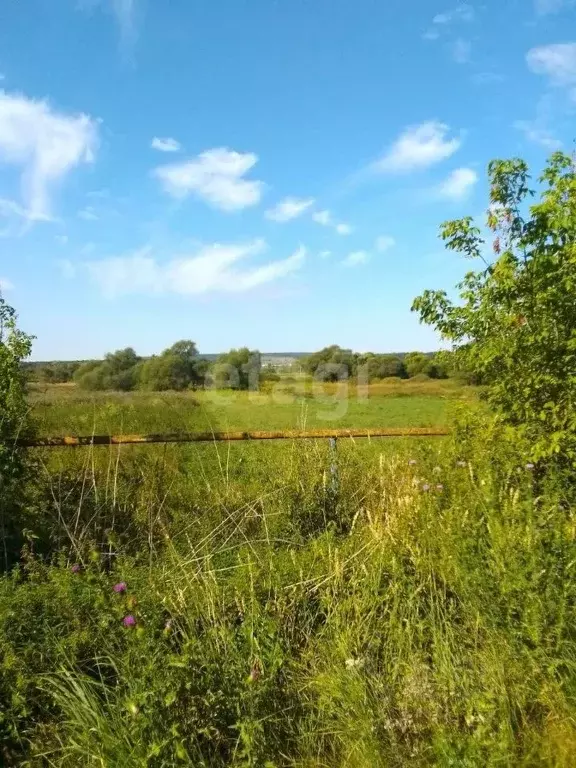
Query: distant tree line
pixel 334 363
pixel 181 367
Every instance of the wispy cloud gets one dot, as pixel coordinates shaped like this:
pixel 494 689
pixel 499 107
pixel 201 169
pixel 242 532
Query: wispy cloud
pixel 212 268
pixel 47 145
pixel 418 147
pixel 61 239
pixel 289 208
pixel 325 254
pixel 545 7
pixel 215 176
pixel 88 214
pixel 325 219
pixel 557 62
pixel 461 51
pixel 67 268
pixel 538 134
pixel 462 12
pixel 487 78
pixel 459 184
pixel 6 285
pixel 356 258
pixel 384 243
pixel 538 130
pixel 443 22
pixel 165 145
pixel 125 14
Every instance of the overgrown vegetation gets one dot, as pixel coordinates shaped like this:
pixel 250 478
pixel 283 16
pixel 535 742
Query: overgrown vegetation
pixel 381 604
pixel 516 327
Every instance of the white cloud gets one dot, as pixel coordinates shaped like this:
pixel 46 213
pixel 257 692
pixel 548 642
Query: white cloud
pixel 213 268
pixel 67 269
pixel 462 12
pixel 6 285
pixel 125 14
pixel 461 51
pixel 45 144
pixel 88 214
pixel 556 61
pixel 356 258
pixel 61 239
pixel 459 184
pixel 289 208
pixel 165 145
pixel 324 218
pixel 384 243
pixel 419 146
pixel 215 176
pixel 325 254
pixel 535 132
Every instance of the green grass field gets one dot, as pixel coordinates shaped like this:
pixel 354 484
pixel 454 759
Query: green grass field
pixel 61 410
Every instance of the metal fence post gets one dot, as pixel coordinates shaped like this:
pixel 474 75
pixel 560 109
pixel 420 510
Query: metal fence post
pixel 333 466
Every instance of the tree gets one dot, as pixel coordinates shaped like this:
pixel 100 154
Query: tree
pixel 515 325
pixel 185 350
pixel 416 363
pixel 380 366
pixel 15 347
pixel 118 371
pixel 237 369
pixel 164 372
pixel 331 363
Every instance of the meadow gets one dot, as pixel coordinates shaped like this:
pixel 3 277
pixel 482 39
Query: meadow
pixel 64 409
pixel 398 602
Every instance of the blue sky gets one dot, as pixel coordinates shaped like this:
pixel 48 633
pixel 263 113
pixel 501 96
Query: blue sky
pixel 268 173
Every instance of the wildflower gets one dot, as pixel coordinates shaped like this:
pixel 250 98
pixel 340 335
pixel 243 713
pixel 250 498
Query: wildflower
pixel 75 568
pixel 121 587
pixel 168 625
pixel 129 621
pixel 425 487
pixel 460 463
pixel 412 462
pixel 439 487
pixel 529 466
pixel 352 663
pixel 437 470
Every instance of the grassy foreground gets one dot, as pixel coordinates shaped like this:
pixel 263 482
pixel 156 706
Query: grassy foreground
pixel 403 604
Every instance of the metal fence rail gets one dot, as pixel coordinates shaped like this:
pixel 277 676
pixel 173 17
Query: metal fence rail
pixel 75 441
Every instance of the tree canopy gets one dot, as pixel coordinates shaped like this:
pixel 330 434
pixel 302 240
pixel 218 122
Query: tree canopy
pixel 515 324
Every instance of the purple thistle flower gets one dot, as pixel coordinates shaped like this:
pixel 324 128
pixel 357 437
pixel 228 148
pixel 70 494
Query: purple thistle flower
pixel 121 587
pixel 129 621
pixel 412 462
pixel 529 466
pixel 75 568
pixel 425 487
pixel 439 487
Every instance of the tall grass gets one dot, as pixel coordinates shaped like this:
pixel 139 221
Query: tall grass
pixel 419 612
